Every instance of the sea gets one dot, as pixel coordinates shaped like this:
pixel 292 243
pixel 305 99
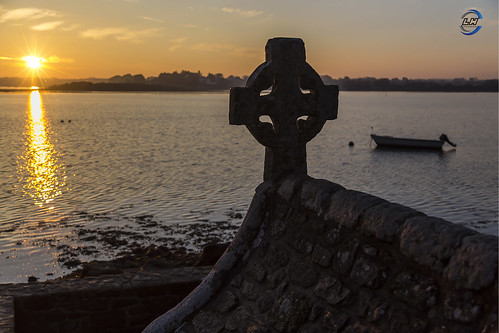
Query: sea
pixel 84 175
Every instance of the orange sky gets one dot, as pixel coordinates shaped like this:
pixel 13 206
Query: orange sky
pixel 102 38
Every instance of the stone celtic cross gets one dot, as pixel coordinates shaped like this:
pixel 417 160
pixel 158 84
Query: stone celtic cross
pixel 297 116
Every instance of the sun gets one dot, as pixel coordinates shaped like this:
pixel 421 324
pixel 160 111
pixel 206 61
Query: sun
pixel 33 62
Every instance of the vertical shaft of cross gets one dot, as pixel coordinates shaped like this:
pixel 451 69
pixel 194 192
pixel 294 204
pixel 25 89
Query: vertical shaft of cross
pixel 281 161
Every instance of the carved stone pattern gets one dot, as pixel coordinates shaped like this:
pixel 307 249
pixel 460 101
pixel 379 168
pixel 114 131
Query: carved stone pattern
pixel 297 117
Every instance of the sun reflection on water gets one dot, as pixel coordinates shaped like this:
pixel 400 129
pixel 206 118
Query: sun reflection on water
pixel 41 175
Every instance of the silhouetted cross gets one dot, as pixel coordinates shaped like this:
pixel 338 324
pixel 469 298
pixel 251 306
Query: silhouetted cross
pixel 297 117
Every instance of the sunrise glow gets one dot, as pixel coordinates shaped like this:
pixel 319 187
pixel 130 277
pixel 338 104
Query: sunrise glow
pixel 55 39
pixel 33 62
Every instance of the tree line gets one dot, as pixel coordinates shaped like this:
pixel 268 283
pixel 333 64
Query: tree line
pixel 195 81
pixel 176 81
pixel 405 84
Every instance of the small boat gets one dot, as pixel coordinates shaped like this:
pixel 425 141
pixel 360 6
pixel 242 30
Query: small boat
pixel 390 141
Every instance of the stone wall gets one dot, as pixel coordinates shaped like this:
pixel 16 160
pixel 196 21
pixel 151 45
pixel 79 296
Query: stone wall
pixel 312 256
pixel 121 303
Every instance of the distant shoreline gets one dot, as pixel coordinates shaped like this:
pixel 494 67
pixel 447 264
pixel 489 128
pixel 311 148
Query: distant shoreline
pixel 345 84
pixel 186 81
pixel 125 89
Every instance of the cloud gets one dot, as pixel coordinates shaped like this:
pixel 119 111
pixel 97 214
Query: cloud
pixel 47 26
pixel 212 47
pixel 27 14
pixel 176 43
pixel 190 26
pixel 121 34
pixel 147 18
pixel 178 40
pixel 247 52
pixel 245 13
pixel 71 27
pixel 57 60
pixel 50 59
pixel 102 33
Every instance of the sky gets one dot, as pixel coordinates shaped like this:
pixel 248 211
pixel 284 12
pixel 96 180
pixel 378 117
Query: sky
pixel 355 38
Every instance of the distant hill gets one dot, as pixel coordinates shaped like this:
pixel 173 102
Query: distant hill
pixel 195 81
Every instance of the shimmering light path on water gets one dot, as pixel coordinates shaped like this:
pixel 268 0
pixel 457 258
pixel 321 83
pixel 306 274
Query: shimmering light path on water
pixel 138 162
pixel 40 175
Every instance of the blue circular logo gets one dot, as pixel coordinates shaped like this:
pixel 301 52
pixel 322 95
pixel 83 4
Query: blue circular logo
pixel 469 22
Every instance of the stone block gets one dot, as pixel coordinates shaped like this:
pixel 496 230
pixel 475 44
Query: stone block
pixel 316 194
pixel 207 322
pixel 302 242
pixel 141 318
pixel 316 311
pixel 491 322
pixel 310 328
pixel 69 326
pixel 239 318
pixel 431 241
pixel 321 255
pixel 249 290
pixel 226 301
pixel 296 216
pixel 474 263
pixel 277 227
pixel 276 256
pixel 333 234
pixel 385 221
pixel 403 322
pixel 332 291
pixel 290 311
pixel 345 256
pixel 262 248
pixel 461 307
pixel 258 328
pixel 289 186
pixel 265 302
pixel 357 327
pixel 282 287
pixel 273 280
pixel 334 322
pixel 347 206
pixel 37 302
pixel 116 319
pixel 303 273
pixel 42 327
pixel 370 251
pixel 280 209
pixel 236 281
pixel 440 329
pixel 120 302
pixel 368 273
pixel 256 271
pixel 415 290
pixel 371 307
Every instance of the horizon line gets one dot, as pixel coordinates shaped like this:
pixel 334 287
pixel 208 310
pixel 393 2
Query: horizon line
pixel 246 76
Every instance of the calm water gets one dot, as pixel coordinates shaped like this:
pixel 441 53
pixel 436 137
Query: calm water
pixel 113 160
